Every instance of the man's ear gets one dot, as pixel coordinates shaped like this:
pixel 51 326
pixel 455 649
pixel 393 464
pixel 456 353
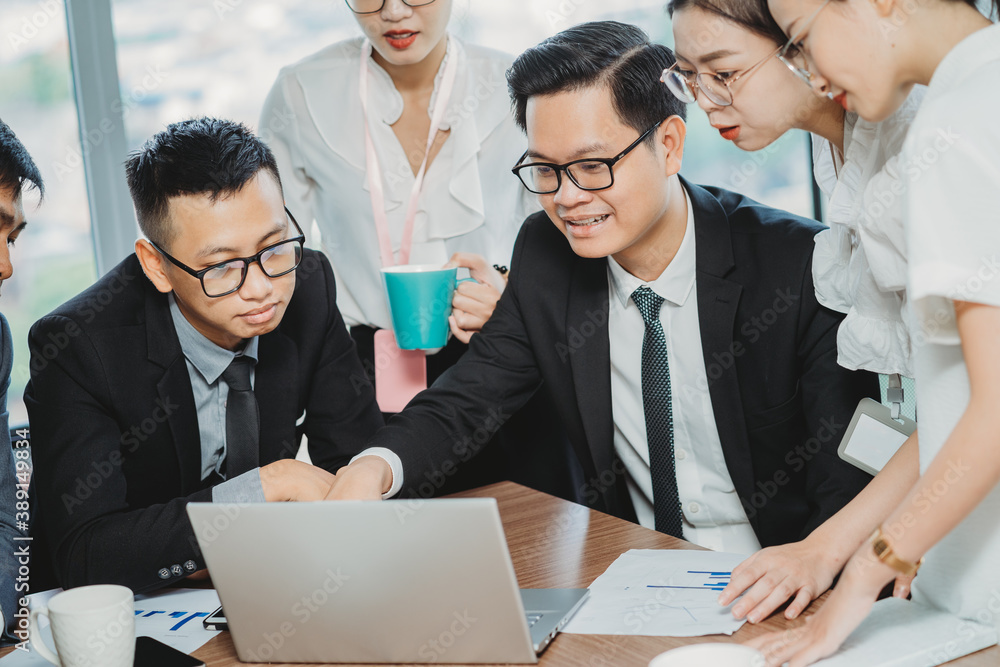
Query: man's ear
pixel 672 133
pixel 152 265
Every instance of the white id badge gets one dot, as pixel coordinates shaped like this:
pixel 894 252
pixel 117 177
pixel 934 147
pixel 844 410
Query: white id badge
pixel 399 374
pixel 873 436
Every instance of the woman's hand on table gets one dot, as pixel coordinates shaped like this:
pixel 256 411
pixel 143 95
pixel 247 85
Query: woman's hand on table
pixel 848 605
pixel 800 571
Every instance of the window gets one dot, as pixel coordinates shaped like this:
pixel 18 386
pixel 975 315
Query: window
pixel 220 58
pixel 54 256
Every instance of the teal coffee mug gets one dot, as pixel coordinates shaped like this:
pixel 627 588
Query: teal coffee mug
pixel 420 304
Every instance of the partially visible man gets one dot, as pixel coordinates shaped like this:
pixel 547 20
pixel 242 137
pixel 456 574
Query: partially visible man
pixel 675 326
pixel 192 369
pixel 17 173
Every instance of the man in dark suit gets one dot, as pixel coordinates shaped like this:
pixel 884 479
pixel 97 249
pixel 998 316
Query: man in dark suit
pixel 674 326
pixel 191 370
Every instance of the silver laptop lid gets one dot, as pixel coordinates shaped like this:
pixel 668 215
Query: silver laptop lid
pixel 365 582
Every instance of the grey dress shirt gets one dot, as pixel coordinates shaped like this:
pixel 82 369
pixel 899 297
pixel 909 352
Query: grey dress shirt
pixel 206 362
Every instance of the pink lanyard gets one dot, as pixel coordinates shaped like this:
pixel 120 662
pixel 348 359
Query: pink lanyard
pixel 375 172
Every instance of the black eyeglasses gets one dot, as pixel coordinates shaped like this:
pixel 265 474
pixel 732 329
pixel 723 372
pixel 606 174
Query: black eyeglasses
pixel 375 6
pixel 224 278
pixel 545 178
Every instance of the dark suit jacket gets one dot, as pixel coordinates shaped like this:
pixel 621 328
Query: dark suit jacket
pixel 781 402
pixel 115 440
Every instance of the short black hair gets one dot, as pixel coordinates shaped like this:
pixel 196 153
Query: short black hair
pixel 16 166
pixel 601 53
pixel 198 156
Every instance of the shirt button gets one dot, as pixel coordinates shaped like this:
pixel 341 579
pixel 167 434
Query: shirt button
pixel 164 573
pixel 681 455
pixel 190 566
pixel 694 508
pixel 177 570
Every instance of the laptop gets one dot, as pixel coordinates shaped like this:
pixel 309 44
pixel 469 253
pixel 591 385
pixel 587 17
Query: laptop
pixel 375 582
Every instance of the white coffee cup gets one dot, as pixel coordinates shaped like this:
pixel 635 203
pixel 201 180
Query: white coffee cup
pixel 710 655
pixel 92 626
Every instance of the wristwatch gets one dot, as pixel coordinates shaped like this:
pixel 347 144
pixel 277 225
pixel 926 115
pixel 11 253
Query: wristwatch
pixel 883 551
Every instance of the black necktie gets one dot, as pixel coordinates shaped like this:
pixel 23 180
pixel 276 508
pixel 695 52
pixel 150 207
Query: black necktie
pixel 242 419
pixel 656 402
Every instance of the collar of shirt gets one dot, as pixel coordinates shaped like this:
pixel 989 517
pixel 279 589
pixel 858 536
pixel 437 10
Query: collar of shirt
pixel 676 281
pixel 965 59
pixel 389 100
pixel 208 358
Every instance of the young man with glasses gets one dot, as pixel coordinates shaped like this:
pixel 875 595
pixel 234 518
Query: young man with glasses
pixel 674 326
pixel 191 370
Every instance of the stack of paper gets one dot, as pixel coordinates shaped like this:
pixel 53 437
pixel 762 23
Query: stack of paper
pixel 664 593
pixel 900 633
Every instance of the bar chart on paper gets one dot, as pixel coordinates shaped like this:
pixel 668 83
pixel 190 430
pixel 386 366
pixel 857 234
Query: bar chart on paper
pixel 670 593
pixel 697 580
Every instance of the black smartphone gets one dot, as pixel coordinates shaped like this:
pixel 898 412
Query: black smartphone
pixel 216 620
pixel 152 653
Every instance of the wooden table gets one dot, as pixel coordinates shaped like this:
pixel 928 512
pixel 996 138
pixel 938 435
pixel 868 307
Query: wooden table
pixel 557 544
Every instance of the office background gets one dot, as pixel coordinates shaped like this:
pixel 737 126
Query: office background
pixel 123 69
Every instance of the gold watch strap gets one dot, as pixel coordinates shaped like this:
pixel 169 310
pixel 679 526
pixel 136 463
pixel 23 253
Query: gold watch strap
pixel 883 551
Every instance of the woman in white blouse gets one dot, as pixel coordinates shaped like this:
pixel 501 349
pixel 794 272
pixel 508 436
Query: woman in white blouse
pixel 470 203
pixel 469 208
pixel 935 506
pixel 727 62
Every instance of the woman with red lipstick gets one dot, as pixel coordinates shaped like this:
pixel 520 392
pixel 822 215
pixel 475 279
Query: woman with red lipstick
pixel 731 60
pixel 350 127
pixel 943 516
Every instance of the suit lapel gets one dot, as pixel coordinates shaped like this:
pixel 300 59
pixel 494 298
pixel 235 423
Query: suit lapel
pixel 718 301
pixel 590 356
pixel 174 388
pixel 276 387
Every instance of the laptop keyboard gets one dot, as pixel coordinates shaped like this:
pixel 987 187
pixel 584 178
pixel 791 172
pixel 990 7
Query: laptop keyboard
pixel 533 618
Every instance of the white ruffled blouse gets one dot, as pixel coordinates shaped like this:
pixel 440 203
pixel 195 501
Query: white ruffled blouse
pixel 312 120
pixel 859 264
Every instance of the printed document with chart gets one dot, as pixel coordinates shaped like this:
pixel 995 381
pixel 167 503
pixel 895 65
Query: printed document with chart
pixel 664 593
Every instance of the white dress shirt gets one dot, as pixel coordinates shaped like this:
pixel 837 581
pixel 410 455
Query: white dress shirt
pixel 470 202
pixel 713 515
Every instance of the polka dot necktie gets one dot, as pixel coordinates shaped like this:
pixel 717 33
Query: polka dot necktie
pixel 656 401
pixel 242 419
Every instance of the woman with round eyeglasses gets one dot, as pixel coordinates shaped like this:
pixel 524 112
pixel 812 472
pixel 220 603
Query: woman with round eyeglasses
pixel 351 129
pixel 734 62
pixel 934 507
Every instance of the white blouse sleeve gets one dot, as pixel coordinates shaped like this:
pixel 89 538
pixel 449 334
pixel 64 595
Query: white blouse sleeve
pixel 953 172
pixel 279 128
